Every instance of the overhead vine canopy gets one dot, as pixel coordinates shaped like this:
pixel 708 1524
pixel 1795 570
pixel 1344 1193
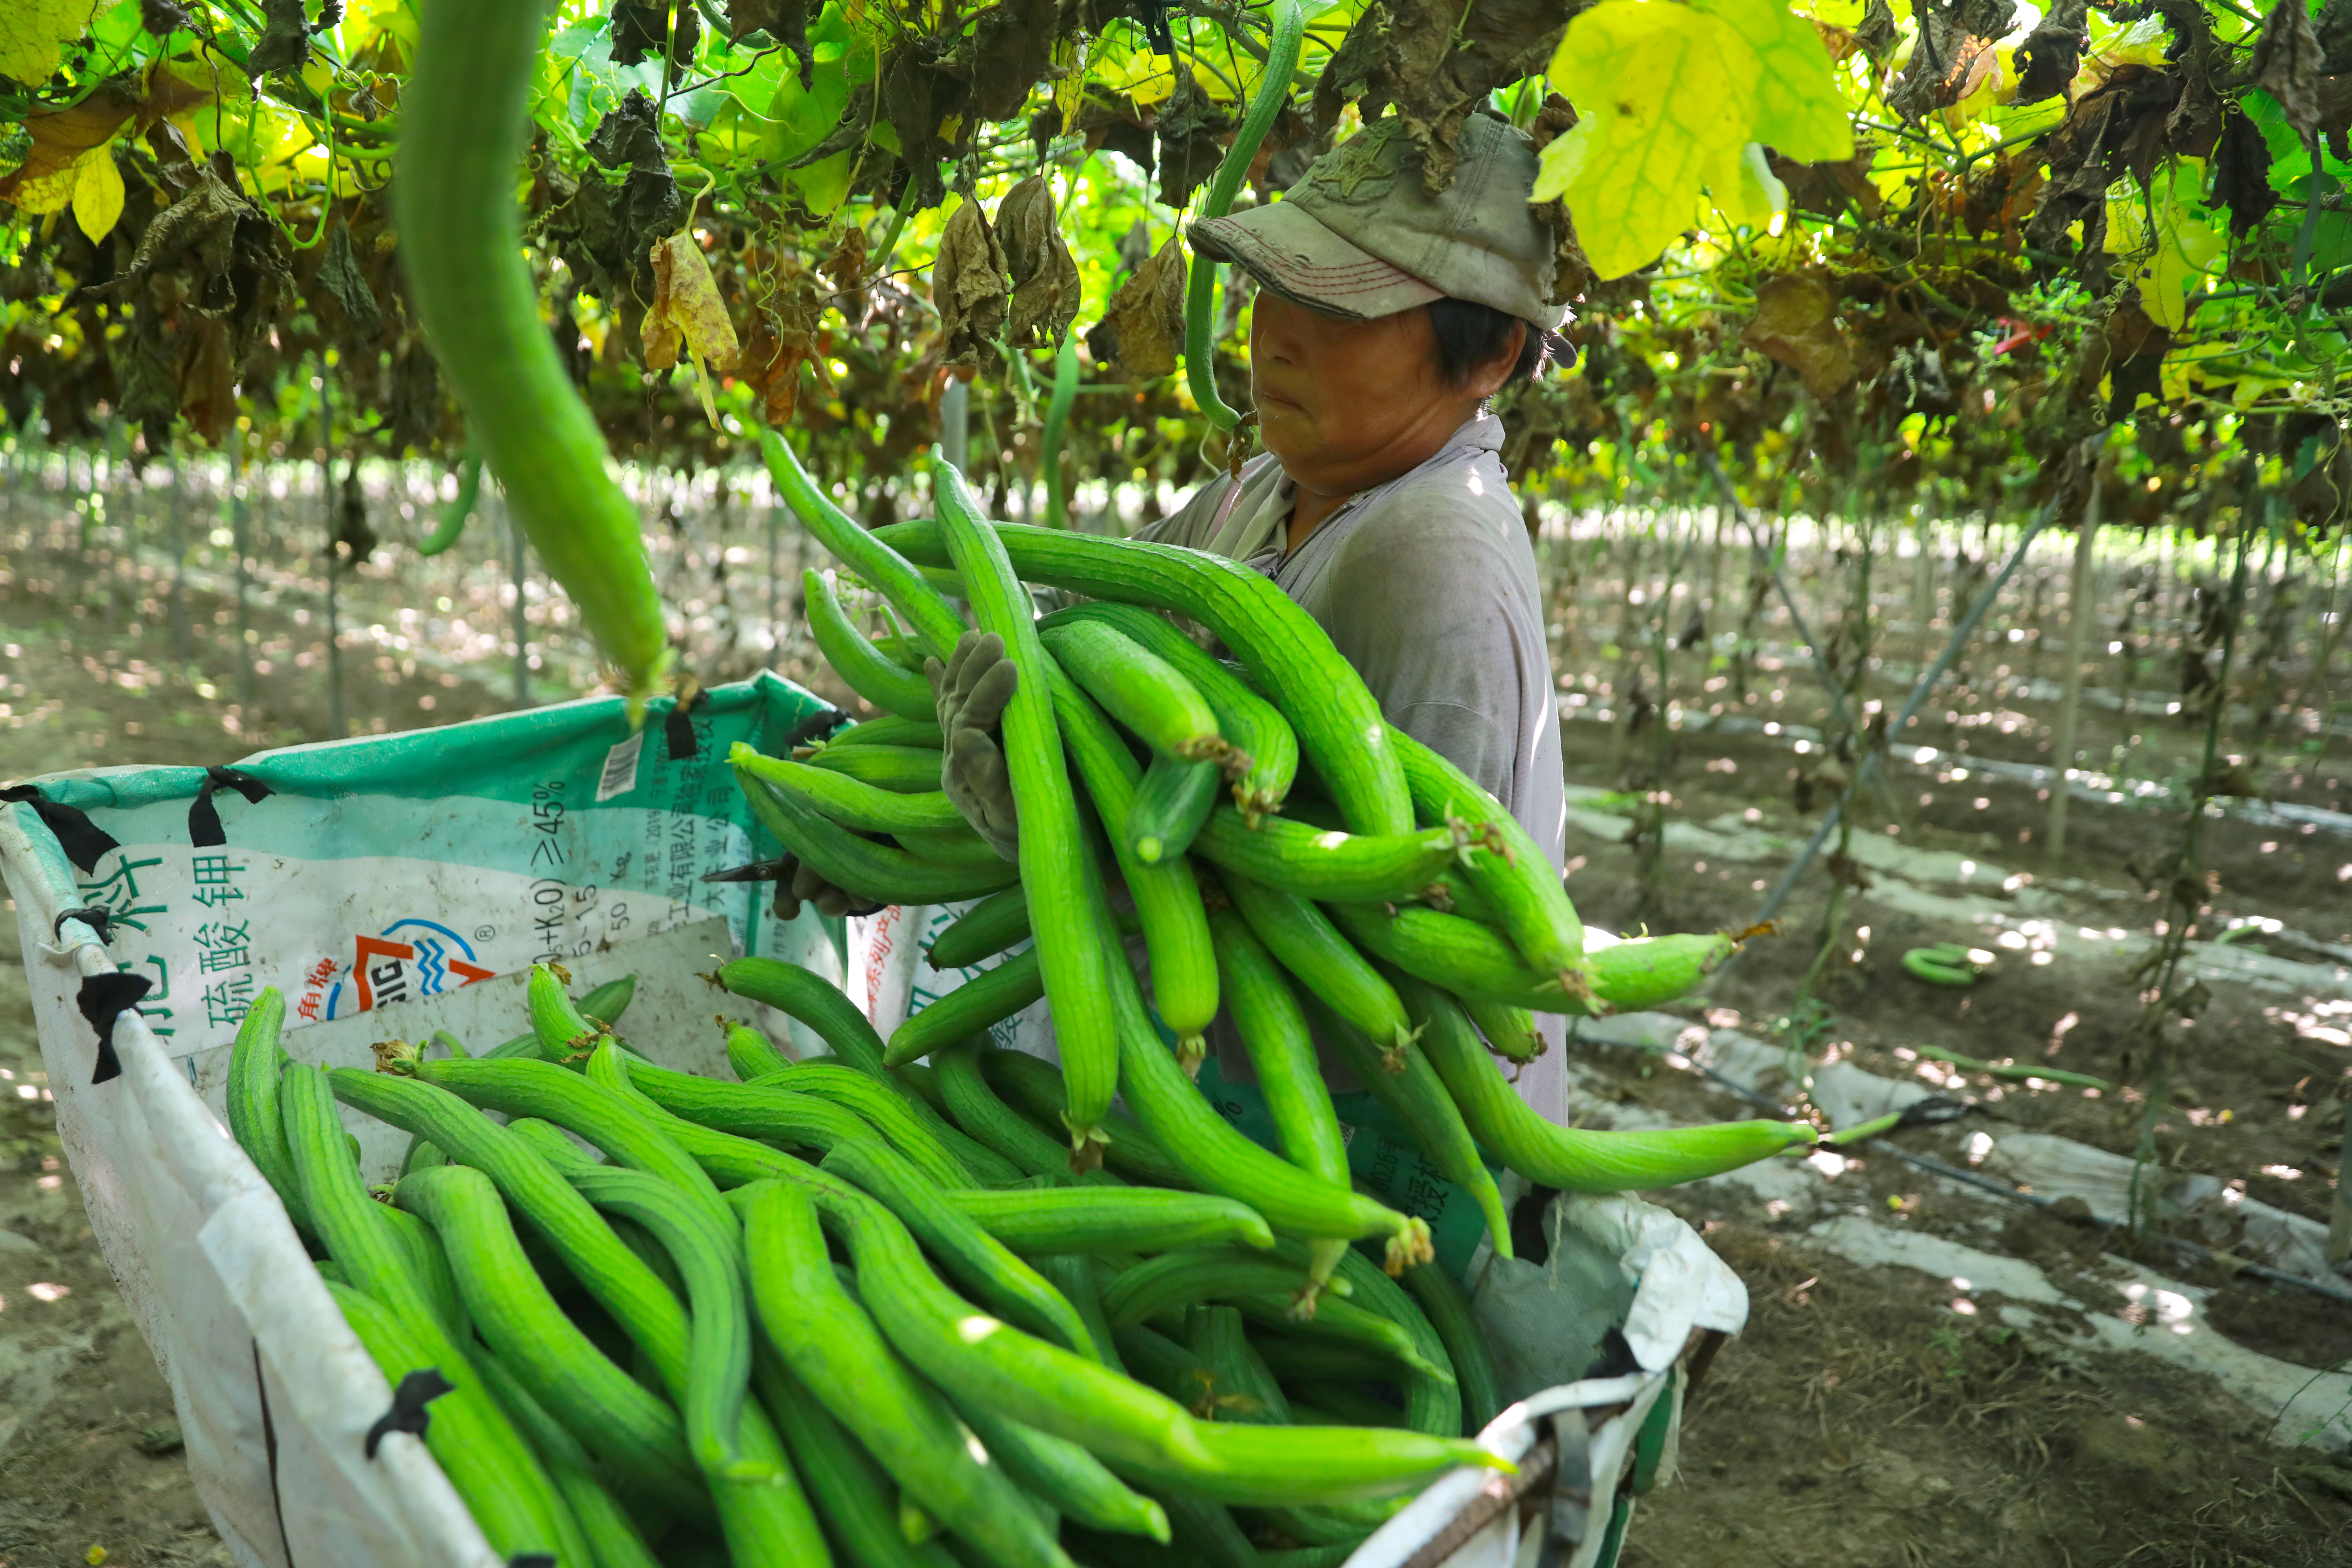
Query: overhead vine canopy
pixel 1830 244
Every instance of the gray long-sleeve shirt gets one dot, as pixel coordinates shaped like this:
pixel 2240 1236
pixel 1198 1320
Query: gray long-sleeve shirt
pixel 1427 586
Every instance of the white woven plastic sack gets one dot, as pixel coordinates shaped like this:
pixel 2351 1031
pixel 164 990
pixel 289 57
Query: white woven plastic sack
pixel 402 885
pixel 387 886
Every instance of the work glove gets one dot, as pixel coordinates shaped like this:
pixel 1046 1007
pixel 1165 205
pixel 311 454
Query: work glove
pixel 806 887
pixel 971 690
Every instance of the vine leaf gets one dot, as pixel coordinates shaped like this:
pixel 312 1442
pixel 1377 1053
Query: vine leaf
pixel 2164 245
pixel 1667 95
pixel 968 286
pixel 1799 111
pixel 34 35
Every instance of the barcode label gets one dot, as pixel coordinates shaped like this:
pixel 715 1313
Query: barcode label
pixel 620 775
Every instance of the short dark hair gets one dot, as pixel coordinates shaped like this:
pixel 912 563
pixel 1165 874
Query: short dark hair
pixel 1470 334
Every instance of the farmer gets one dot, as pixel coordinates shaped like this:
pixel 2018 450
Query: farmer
pixel 1385 319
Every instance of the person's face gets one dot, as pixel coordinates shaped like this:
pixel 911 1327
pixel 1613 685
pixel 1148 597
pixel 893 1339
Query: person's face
pixel 1347 404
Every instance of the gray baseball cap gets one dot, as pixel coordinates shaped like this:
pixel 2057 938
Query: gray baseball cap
pixel 1359 235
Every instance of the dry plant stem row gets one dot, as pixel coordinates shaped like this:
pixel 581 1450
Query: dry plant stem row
pixel 2167 998
pixel 1911 706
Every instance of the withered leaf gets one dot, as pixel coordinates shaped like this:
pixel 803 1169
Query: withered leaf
pixel 2287 63
pixel 207 380
pixel 686 309
pixel 1435 61
pixel 783 338
pixel 847 266
pixel 162 17
pixel 285 41
pixel 1929 82
pixel 1985 19
pixel 1143 327
pixel 1045 285
pixel 355 538
pixel 1877 33
pixel 59 137
pixel 2332 27
pixel 685 34
pixel 1188 126
pixel 1134 247
pixel 967 287
pixel 2241 173
pixel 640 27
pixel 2052 53
pixel 786 21
pixel 340 276
pixel 1795 324
pixel 629 134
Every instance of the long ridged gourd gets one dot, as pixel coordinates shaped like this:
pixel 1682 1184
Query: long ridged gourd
pixel 1577 1160
pixel 1073 958
pixel 1337 720
pixel 465 126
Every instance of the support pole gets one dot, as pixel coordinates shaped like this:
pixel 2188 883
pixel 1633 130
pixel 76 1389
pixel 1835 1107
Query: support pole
pixel 179 609
pixel 2080 614
pixel 335 725
pixel 515 562
pixel 240 527
pixel 775 583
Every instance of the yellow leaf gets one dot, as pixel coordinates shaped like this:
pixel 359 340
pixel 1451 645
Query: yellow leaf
pixel 52 192
pixel 1745 191
pixel 1798 110
pixel 2165 247
pixel 34 35
pixel 1070 88
pixel 1669 95
pixel 688 310
pixel 98 194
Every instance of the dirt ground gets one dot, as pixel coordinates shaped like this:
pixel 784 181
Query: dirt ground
pixel 1858 1421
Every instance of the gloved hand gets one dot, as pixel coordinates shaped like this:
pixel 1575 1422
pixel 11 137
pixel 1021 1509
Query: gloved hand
pixel 806 887
pixel 971 690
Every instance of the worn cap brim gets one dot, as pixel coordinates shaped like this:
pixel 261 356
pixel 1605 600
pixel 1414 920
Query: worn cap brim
pixel 1294 253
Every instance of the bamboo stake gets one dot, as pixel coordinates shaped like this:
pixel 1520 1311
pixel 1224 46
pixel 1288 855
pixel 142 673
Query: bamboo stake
pixel 2079 617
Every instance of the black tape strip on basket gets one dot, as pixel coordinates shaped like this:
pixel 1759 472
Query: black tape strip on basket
pixel 532 1560
pixel 679 727
pixel 83 841
pixel 203 817
pixel 823 721
pixel 408 1413
pixel 98 917
pixel 103 999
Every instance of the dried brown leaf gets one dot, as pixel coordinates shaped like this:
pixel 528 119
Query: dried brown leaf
pixel 1046 287
pixel 967 287
pixel 1435 61
pixel 1143 327
pixel 2287 63
pixel 1795 324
